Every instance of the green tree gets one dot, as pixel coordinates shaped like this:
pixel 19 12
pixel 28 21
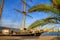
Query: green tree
pixel 40 23
pixel 53 8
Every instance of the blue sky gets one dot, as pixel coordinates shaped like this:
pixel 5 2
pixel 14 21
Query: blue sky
pixel 12 18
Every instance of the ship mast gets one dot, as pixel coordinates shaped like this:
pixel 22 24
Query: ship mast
pixel 1 9
pixel 24 13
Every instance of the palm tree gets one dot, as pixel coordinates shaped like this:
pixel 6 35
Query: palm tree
pixel 40 23
pixel 55 9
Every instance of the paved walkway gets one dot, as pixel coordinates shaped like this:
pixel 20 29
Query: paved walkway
pixel 29 38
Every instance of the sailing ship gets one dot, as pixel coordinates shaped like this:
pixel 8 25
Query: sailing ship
pixel 24 31
pixel 21 33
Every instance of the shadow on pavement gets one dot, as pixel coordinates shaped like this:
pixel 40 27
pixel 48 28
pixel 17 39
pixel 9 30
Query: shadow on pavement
pixel 56 38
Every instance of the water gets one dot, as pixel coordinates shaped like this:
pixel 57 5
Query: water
pixel 0 1
pixel 51 34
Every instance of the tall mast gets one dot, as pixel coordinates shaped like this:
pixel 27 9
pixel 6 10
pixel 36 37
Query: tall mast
pixel 24 13
pixel 1 8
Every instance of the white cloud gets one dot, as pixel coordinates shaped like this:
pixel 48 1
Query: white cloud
pixel 9 23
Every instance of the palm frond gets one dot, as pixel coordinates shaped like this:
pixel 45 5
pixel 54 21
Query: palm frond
pixel 44 7
pixel 42 22
pixel 56 2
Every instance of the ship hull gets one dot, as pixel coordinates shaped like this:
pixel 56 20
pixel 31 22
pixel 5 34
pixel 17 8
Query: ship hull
pixel 35 34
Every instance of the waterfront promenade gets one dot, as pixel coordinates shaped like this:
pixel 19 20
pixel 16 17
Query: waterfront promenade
pixel 29 37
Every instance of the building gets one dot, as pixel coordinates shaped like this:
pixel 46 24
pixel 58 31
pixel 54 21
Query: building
pixel 4 30
pixel 7 30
